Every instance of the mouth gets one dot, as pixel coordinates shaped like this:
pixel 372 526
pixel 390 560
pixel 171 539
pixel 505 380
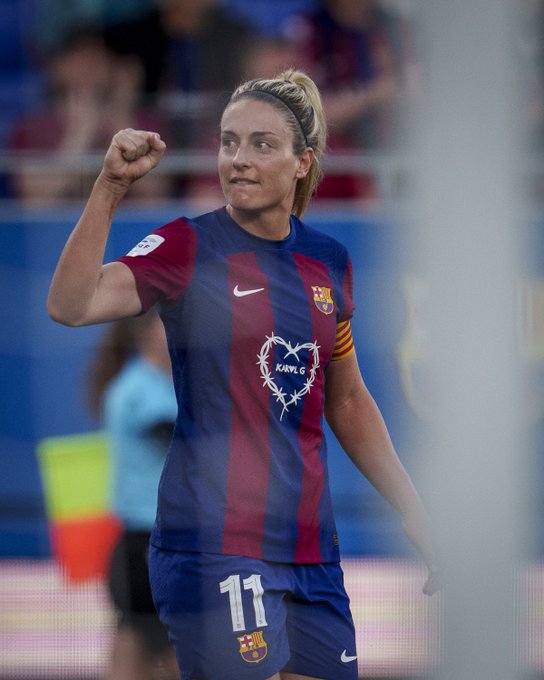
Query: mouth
pixel 242 181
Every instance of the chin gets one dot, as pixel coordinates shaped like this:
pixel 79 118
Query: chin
pixel 245 205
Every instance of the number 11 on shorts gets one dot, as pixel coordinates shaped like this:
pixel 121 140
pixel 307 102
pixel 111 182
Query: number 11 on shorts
pixel 231 585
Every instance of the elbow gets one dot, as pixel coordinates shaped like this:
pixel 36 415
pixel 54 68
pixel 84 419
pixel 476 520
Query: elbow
pixel 64 320
pixel 60 315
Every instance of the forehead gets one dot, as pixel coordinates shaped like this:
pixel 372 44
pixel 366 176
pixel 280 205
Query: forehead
pixel 249 114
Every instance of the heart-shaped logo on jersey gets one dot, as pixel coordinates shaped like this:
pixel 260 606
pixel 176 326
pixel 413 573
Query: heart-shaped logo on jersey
pixel 284 398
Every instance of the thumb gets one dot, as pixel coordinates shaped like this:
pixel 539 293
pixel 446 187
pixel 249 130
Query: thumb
pixel 156 143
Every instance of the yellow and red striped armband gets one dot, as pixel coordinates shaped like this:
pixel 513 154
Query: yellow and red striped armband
pixel 343 346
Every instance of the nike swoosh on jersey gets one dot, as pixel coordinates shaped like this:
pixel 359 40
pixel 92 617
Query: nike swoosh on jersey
pixel 345 658
pixel 242 293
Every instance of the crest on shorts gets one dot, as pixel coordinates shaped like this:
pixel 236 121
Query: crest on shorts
pixel 323 300
pixel 253 647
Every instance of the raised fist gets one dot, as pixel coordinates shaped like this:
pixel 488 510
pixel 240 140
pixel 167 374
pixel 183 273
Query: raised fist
pixel 131 155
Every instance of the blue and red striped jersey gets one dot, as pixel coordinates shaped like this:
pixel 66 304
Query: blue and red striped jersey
pixel 251 326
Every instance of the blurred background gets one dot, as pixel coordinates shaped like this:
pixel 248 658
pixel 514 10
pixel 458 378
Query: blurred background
pixel 73 72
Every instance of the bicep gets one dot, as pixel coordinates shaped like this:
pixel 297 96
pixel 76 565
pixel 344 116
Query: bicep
pixel 116 295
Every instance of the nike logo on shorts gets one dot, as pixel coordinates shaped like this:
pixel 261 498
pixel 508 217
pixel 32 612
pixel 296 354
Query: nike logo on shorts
pixel 242 293
pixel 345 658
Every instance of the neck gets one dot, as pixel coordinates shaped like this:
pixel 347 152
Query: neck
pixel 274 226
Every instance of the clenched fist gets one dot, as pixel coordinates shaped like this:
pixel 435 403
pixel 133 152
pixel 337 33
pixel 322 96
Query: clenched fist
pixel 131 155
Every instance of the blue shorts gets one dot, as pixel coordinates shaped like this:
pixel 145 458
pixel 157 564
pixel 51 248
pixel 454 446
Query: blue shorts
pixel 237 618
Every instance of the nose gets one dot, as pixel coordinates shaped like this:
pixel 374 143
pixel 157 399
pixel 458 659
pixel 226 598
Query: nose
pixel 240 158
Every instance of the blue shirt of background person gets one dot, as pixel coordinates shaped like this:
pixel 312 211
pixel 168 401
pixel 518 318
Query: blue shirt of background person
pixel 139 409
pixel 130 391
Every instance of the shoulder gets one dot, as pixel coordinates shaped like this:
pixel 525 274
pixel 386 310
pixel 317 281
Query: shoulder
pixel 322 245
pixel 183 226
pixel 178 226
pixel 178 233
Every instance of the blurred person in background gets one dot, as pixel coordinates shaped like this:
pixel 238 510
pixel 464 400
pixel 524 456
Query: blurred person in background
pixel 361 55
pixel 129 27
pixel 92 92
pixel 131 393
pixel 204 54
pixel 267 55
pixel 264 56
pixel 244 558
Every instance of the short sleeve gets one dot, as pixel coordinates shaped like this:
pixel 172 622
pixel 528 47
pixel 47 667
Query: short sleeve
pixel 163 263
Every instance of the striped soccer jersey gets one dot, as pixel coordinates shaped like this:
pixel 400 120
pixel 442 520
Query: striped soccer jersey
pixel 251 326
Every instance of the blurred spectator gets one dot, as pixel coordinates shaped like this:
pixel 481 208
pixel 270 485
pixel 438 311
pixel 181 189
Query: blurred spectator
pixel 204 56
pixel 131 391
pixel 93 92
pixel 55 20
pixel 20 82
pixel 130 27
pixel 141 37
pixel 361 56
pixel 268 16
pixel 264 57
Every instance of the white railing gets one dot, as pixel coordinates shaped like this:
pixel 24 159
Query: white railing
pixel 394 171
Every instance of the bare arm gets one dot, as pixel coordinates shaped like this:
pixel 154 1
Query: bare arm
pixel 84 290
pixel 360 429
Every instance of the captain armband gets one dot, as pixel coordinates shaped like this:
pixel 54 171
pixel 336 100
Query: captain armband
pixel 343 346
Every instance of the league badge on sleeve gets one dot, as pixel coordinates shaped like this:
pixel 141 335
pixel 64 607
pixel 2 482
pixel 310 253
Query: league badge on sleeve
pixel 253 647
pixel 323 300
pixel 146 245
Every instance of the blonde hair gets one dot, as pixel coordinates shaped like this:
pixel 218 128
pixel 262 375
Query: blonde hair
pixel 296 95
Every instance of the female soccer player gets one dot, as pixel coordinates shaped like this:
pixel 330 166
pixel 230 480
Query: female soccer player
pixel 244 556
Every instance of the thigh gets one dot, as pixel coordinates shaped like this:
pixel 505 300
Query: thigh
pixel 320 625
pixel 225 615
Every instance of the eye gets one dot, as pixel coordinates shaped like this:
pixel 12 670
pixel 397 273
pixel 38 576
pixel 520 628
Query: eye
pixel 262 145
pixel 227 142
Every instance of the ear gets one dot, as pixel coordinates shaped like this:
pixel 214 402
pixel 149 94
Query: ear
pixel 305 161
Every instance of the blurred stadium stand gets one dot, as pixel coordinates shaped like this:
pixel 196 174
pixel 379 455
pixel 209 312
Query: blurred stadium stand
pixel 267 16
pixel 19 81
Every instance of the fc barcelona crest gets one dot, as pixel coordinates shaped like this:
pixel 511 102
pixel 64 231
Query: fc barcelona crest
pixel 253 647
pixel 323 300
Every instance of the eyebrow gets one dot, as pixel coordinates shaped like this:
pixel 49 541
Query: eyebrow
pixel 256 133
